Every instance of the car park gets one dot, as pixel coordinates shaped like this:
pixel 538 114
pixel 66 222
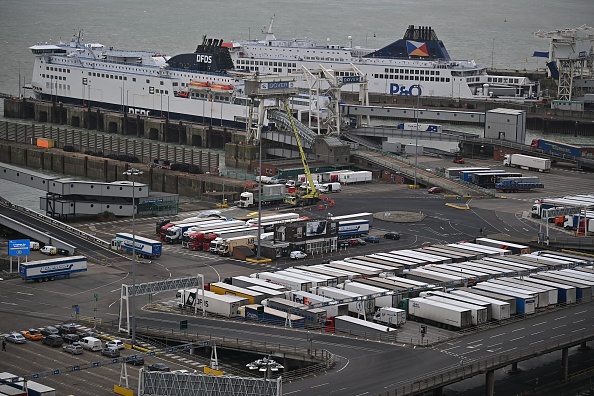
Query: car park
pixel 53 340
pixel 392 235
pixel 110 352
pixel 158 367
pixel 297 255
pixel 73 349
pixel 49 330
pixel 70 338
pixel 435 190
pixel 372 239
pixel 135 360
pixel 16 338
pixel 115 344
pixel 32 334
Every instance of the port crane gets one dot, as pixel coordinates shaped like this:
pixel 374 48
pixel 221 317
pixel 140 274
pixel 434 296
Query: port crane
pixel 311 195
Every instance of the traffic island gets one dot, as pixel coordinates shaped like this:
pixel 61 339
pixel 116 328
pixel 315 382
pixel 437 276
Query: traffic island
pixel 396 216
pixel 258 261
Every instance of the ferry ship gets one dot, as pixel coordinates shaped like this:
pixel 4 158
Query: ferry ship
pixel 417 64
pixel 197 87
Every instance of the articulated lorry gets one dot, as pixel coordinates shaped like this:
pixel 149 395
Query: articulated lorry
pixel 248 200
pixel 550 146
pixel 314 317
pixel 175 234
pixel 518 184
pixel 197 237
pixel 360 327
pixel 224 305
pixel 227 247
pixel 271 316
pixel 442 314
pixel 53 268
pixel 145 247
pixel 222 288
pixel 527 162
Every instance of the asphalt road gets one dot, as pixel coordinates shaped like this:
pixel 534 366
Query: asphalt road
pixel 363 367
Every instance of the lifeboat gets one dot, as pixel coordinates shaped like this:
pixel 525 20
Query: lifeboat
pixel 183 94
pixel 199 84
pixel 222 87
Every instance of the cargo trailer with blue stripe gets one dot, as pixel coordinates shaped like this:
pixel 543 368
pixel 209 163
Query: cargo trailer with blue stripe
pixel 525 303
pixel 54 268
pixel 270 316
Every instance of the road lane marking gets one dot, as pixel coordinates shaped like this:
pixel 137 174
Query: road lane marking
pixel 361 394
pixel 515 339
pixel 536 342
pixel 578 321
pixel 497 335
pixel 582 329
pixel 560 317
pixel 581 312
pixel 538 332
pixel 558 335
pixel 490 346
pixel 558 327
pixel 507 350
pixel 474 346
pixel 341 389
pixel 8 303
pixel 29 294
pixel 517 329
pixel 538 324
pixel 472 342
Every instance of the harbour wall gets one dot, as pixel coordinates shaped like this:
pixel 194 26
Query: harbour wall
pixel 206 187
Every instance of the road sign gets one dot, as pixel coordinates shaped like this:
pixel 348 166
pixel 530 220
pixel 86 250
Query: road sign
pixel 183 324
pixel 19 247
pixel 96 297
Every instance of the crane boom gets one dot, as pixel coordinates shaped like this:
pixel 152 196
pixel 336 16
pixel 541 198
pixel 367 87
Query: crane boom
pixel 311 196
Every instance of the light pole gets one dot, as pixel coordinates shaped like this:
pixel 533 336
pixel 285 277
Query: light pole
pixel 417 136
pixel 133 172
pixel 259 196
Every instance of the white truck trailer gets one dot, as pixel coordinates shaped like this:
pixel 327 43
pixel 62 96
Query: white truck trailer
pixel 500 310
pixel 527 162
pixel 357 302
pixel 329 305
pixel 394 317
pixel 350 325
pixel 290 283
pixel 387 300
pixel 451 316
pixel 224 305
pixel 53 268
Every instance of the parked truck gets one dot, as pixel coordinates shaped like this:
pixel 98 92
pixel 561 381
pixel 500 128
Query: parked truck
pixel 550 146
pixel 330 305
pixel 247 281
pixel 248 200
pixel 222 288
pixel 314 317
pixel 527 162
pixel 174 234
pixel 383 299
pixel 53 268
pixel 518 184
pixel 360 327
pixel 226 249
pixel 356 302
pixel 30 388
pixel 393 317
pixel 224 305
pixel 267 315
pixel 290 283
pixel 425 310
pixel 145 247
pixel 352 228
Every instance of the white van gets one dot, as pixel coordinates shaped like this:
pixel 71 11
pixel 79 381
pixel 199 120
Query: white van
pixel 91 343
pixel 33 245
pixel 50 250
pixel 330 187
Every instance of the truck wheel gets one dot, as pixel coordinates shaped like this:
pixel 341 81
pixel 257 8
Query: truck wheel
pixel 52 278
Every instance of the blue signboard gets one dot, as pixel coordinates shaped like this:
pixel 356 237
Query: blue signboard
pixel 19 247
pixel 351 79
pixel 277 85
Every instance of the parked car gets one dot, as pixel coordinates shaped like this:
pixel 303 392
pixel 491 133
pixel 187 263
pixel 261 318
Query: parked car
pixel 115 344
pixel 73 349
pixel 67 329
pixel 435 190
pixel 158 367
pixel 70 338
pixel 353 242
pixel 392 235
pixel 53 340
pixel 89 333
pixel 49 330
pixel 361 241
pixel 372 239
pixel 16 338
pixel 32 334
pixel 135 360
pixel 110 352
pixel 182 371
pixel 297 255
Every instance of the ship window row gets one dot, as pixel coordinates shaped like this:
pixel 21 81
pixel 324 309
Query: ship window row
pixel 343 74
pixel 51 86
pixel 52 77
pixel 412 71
pixel 110 76
pixel 266 63
pixel 411 78
pixel 505 80
pixel 57 69
pixel 217 98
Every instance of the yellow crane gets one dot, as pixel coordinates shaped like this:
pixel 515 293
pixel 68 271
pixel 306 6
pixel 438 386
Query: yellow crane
pixel 311 195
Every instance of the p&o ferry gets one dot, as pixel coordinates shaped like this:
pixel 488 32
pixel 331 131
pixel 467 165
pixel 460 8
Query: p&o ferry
pixel 417 64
